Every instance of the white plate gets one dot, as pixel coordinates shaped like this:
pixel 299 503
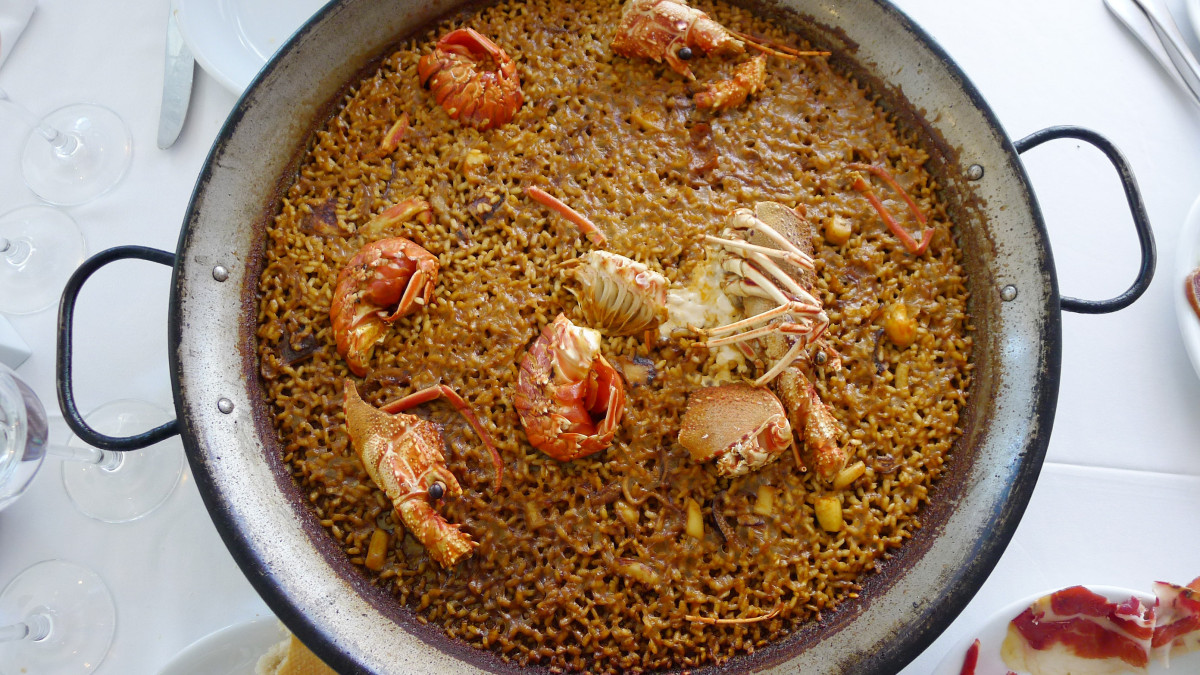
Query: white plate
pixel 1187 258
pixel 232 39
pixel 233 650
pixel 991 636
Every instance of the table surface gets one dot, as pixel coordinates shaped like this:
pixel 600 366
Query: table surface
pixel 1118 502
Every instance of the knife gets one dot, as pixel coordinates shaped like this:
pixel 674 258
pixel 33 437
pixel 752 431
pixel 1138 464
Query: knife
pixel 1180 62
pixel 177 85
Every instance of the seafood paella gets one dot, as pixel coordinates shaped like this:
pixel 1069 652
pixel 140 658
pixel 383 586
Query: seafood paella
pixel 614 337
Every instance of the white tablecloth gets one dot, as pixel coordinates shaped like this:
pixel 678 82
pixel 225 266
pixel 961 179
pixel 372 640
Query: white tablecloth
pixel 1118 502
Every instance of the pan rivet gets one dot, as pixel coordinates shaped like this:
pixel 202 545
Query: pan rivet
pixel 1008 293
pixel 974 172
pixel 220 273
pixel 225 406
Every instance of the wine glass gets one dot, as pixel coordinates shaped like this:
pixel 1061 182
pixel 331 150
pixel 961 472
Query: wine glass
pixel 24 436
pixel 74 154
pixel 119 487
pixel 114 487
pixel 55 616
pixel 40 247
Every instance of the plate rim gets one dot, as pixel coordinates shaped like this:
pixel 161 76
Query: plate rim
pixel 1187 258
pixel 201 52
pixel 226 64
pixel 214 640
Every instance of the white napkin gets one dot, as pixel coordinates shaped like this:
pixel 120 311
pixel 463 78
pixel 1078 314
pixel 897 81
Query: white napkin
pixel 14 14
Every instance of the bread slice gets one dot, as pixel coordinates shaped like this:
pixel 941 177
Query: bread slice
pixel 291 657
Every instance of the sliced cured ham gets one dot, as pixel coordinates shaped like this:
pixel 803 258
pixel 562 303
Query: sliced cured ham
pixel 1177 627
pixel 1077 631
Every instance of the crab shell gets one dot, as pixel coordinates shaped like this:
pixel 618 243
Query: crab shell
pixel 743 427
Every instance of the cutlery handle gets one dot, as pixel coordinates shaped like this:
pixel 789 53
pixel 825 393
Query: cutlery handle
pixel 1137 208
pixel 66 319
pixel 1185 64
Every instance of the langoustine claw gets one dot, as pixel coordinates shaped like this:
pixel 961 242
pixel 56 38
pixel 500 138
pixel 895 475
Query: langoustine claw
pixel 747 79
pixel 569 397
pixel 743 427
pixel 619 296
pixel 472 79
pixel 403 455
pixel 670 30
pixel 384 281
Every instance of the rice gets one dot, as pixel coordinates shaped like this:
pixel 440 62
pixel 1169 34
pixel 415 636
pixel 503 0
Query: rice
pixel 586 565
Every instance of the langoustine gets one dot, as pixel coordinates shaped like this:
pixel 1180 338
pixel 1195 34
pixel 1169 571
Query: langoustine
pixel 473 79
pixel 384 281
pixel 670 30
pixel 569 398
pixel 403 456
pixel 617 295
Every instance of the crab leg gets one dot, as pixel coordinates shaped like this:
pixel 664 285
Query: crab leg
pixel 905 238
pixel 442 391
pixel 761 318
pixel 783 328
pixel 754 283
pixel 798 258
pixel 588 228
pixel 788 282
pixel 743 219
pixel 781 364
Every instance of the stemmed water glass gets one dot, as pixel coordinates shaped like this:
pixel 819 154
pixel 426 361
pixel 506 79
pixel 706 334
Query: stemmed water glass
pixel 55 616
pixel 119 487
pixel 114 487
pixel 40 247
pixel 73 154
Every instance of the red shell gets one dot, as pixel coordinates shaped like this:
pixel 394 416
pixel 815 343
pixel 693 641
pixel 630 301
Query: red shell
pixel 569 408
pixel 384 281
pixel 472 79
pixel 1192 288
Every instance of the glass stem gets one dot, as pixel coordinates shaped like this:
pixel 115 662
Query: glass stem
pixel 35 627
pixel 15 252
pixel 105 459
pixel 16 631
pixel 63 144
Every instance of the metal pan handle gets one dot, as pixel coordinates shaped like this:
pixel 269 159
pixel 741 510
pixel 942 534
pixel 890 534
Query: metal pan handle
pixel 1137 209
pixel 66 319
